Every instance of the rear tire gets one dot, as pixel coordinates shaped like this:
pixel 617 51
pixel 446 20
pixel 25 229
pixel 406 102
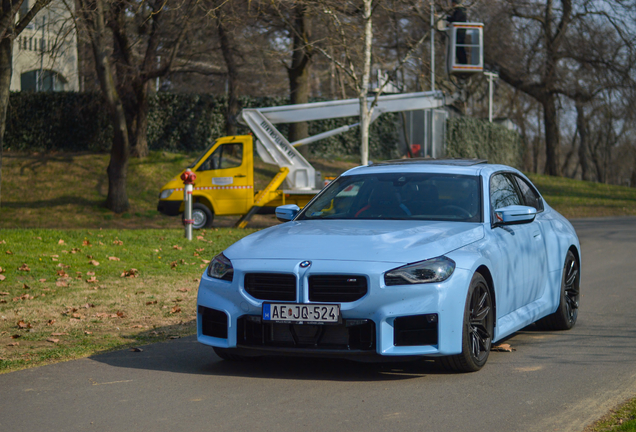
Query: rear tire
pixel 477 330
pixel 202 215
pixel 565 316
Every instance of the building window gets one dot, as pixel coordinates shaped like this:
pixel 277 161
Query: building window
pixel 49 81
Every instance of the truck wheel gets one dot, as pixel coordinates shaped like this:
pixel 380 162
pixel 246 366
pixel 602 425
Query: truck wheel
pixel 202 216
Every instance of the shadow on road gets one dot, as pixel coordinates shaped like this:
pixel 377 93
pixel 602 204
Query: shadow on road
pixel 187 356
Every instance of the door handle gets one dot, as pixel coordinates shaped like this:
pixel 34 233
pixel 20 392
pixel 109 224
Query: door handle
pixel 240 176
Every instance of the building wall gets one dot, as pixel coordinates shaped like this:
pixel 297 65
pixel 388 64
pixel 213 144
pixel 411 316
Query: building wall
pixel 46 51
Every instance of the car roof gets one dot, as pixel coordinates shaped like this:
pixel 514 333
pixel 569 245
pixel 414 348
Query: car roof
pixel 473 167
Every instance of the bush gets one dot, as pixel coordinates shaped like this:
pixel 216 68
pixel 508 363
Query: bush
pixel 473 138
pixel 191 122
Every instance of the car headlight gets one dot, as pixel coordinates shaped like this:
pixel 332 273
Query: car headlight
pixel 221 268
pixel 429 271
pixel 165 193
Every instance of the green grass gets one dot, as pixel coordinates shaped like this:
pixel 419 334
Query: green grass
pixel 56 311
pixel 579 199
pixel 623 419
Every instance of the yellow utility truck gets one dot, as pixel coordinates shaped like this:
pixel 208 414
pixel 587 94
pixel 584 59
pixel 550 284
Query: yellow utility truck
pixel 224 182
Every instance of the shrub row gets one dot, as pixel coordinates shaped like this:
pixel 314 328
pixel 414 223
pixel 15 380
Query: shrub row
pixel 179 122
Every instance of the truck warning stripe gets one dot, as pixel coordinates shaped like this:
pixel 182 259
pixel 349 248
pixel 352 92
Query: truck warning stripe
pixel 217 188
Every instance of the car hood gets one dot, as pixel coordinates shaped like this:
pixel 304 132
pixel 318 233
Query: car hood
pixel 347 240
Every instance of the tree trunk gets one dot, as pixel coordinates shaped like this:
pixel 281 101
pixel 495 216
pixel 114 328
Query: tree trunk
pixel 117 199
pixel 139 145
pixel 581 124
pixel 6 69
pixel 232 77
pixel 298 73
pixel 552 149
pixel 365 112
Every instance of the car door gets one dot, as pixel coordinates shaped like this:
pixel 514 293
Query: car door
pixel 521 252
pixel 224 177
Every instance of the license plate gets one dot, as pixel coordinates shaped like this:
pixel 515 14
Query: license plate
pixel 301 313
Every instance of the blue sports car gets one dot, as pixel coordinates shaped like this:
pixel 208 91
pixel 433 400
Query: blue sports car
pixel 411 258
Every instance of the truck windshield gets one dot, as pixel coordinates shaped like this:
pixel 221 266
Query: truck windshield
pixel 198 159
pixel 399 196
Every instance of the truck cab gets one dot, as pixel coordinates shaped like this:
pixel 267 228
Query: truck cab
pixel 224 183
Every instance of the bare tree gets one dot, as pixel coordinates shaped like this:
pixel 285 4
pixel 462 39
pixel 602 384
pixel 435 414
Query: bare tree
pixel 9 30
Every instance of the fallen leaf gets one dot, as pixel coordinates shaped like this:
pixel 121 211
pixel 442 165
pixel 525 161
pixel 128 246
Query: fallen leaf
pixel 175 309
pixel 59 334
pixel 39 238
pixel 63 265
pixel 177 300
pixel 60 241
pixel 120 314
pixel 25 286
pixel 113 259
pixel 22 325
pixel 3 301
pixel 24 267
pixel 62 273
pixel 177 247
pixel 88 306
pixel 15 336
pixel 3 293
pixel 140 292
pixel 75 250
pixel 52 340
pixel 4 242
pixel 14 344
pixel 173 264
pixel 183 289
pixel 90 273
pixel 200 238
pixel 2 277
pixel 93 262
pixel 42 280
pixel 76 315
pixel 61 284
pixel 2 270
pixel 137 326
pixel 86 332
pixel 195 254
pixel 205 261
pixel 148 303
pixel 50 322
pixel 118 242
pixel 136 350
pixel 86 243
pixel 130 273
pixel 90 257
pixel 9 252
pixel 503 348
pixel 92 279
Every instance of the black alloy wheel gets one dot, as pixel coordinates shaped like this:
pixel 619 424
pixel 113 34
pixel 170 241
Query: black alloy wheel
pixel 477 330
pixel 565 316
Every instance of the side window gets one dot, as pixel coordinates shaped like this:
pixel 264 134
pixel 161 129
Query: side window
pixel 530 196
pixel 225 156
pixel 503 192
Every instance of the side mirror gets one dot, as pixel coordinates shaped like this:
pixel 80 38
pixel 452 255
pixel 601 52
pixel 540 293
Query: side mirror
pixel 514 214
pixel 285 213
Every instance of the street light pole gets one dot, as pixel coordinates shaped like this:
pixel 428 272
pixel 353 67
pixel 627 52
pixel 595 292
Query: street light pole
pixel 432 46
pixel 492 76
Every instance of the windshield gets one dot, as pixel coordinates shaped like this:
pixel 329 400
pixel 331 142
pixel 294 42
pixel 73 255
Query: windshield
pixel 193 164
pixel 399 196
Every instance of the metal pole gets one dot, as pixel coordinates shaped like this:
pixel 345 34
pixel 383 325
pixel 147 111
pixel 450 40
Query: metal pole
pixel 432 47
pixel 188 178
pixel 491 78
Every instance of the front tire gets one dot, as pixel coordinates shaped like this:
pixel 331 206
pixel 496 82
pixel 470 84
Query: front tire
pixel 477 329
pixel 565 316
pixel 202 216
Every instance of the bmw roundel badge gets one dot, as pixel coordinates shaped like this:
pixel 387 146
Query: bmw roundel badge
pixel 305 264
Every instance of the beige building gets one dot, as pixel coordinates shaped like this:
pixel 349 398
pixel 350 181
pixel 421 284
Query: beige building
pixel 45 54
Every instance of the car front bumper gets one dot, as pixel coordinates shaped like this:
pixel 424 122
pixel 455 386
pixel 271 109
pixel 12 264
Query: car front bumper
pixel 403 320
pixel 170 208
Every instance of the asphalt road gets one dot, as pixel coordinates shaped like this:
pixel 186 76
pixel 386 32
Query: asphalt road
pixel 558 381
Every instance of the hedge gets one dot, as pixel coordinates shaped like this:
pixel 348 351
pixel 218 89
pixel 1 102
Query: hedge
pixel 473 138
pixel 190 122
